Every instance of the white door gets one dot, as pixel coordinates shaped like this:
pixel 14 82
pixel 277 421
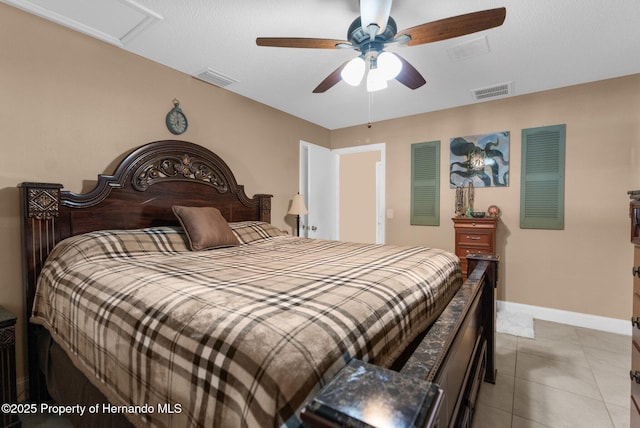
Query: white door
pixel 317 186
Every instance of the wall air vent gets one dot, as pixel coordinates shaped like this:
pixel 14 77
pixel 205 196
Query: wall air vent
pixel 215 78
pixel 495 91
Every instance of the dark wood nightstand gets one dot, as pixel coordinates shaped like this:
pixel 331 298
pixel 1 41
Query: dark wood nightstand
pixel 8 366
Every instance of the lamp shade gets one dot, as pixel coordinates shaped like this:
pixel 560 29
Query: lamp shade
pixel 297 205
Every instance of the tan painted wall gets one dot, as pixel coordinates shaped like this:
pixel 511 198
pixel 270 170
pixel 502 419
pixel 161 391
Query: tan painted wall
pixel 358 196
pixel 71 105
pixel 584 268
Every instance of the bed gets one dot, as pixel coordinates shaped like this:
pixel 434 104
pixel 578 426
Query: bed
pixel 129 307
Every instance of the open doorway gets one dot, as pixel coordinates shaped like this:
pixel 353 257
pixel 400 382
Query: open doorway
pixel 345 192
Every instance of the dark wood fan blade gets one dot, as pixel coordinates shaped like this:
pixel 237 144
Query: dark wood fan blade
pixel 330 81
pixel 409 76
pixel 455 26
pixel 298 42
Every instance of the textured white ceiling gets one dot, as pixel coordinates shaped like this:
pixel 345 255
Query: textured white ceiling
pixel 543 44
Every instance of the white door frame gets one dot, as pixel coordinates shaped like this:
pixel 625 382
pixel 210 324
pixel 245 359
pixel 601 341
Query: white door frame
pixel 380 185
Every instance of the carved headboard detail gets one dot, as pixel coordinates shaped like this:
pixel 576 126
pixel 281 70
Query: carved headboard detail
pixel 178 168
pixel 43 202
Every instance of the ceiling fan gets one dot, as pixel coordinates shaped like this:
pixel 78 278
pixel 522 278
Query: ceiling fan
pixel 373 31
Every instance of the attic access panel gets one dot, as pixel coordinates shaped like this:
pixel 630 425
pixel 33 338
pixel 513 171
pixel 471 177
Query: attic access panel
pixel 112 21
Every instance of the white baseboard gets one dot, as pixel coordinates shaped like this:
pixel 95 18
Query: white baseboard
pixel 595 322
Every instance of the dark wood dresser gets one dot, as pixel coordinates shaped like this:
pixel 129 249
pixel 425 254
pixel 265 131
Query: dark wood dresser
pixel 634 211
pixel 474 236
pixel 8 417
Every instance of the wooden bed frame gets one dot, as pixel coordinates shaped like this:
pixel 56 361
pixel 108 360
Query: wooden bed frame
pixel 456 352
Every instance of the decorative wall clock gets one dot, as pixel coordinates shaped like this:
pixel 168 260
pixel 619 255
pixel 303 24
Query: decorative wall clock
pixel 176 119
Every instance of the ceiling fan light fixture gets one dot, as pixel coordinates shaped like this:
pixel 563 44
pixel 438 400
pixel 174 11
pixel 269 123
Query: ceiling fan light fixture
pixel 389 65
pixel 376 81
pixel 354 71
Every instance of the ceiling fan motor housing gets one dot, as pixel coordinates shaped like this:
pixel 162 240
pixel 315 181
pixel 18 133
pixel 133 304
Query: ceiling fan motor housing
pixel 361 38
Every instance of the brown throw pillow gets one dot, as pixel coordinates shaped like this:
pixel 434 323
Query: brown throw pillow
pixel 205 227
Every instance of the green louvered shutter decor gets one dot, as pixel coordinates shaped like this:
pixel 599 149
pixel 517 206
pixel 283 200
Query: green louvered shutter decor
pixel 542 181
pixel 425 184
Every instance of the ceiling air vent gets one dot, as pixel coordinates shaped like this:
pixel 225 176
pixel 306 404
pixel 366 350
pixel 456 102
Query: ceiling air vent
pixel 495 91
pixel 469 49
pixel 215 78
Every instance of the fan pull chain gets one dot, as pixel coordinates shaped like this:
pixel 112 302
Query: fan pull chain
pixel 370 94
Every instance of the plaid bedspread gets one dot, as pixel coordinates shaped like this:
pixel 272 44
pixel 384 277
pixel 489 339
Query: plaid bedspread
pixel 237 336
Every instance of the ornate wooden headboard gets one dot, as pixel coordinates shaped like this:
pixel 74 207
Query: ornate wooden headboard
pixel 141 192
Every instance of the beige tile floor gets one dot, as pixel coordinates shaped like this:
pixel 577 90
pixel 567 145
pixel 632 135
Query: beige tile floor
pixel 566 377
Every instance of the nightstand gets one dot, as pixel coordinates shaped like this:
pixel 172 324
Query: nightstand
pixel 474 236
pixel 8 366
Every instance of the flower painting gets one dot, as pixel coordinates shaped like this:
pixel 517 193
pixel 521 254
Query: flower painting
pixel 482 160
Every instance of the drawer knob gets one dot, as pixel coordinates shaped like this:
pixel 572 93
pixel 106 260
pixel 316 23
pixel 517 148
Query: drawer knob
pixel 636 271
pixel 635 376
pixel 635 322
pixel 473 238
